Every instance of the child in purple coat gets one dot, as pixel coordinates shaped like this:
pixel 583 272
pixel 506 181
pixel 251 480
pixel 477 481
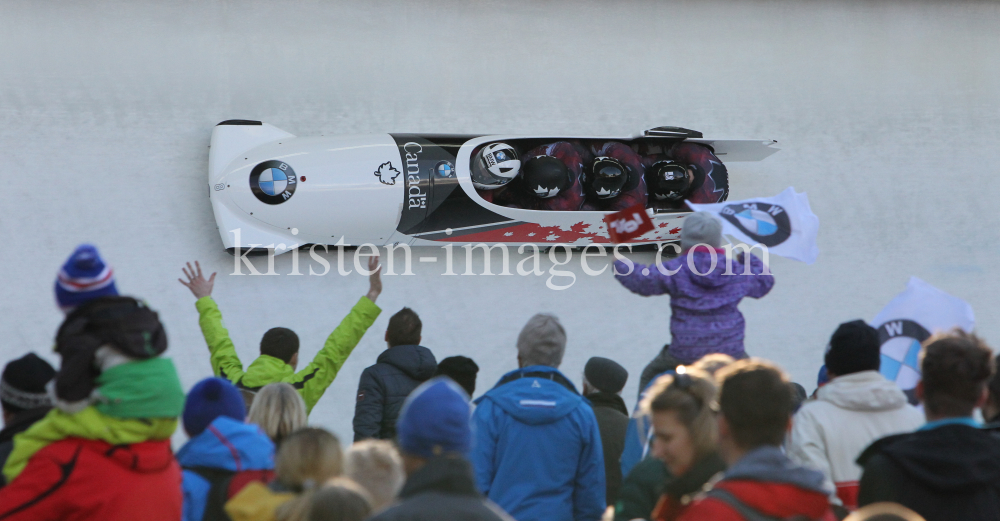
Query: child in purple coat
pixel 704 318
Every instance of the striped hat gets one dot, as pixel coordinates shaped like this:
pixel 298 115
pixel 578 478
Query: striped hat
pixel 85 276
pixel 22 385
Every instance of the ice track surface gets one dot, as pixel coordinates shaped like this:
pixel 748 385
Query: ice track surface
pixel 887 113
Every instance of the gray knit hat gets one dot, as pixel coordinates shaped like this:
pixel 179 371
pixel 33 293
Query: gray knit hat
pixel 542 341
pixel 701 227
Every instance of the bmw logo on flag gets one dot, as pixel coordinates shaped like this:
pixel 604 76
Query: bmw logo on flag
pixel 765 223
pixel 273 182
pixel 445 169
pixel 900 342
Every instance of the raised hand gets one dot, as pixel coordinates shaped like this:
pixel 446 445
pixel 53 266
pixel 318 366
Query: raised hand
pixel 199 286
pixel 375 279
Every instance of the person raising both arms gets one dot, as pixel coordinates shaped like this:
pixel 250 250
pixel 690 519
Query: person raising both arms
pixel 279 347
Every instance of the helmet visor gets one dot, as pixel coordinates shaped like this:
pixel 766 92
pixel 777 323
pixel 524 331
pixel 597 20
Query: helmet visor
pixel 671 180
pixel 484 179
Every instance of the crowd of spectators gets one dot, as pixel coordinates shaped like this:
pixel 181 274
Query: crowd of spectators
pixel 717 434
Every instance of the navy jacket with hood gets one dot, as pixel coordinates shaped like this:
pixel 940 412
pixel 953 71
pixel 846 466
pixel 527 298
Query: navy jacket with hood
pixel 226 444
pixel 384 386
pixel 537 449
pixel 943 473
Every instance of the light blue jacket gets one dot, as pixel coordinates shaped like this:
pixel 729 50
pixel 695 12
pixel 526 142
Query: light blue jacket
pixel 537 450
pixel 226 444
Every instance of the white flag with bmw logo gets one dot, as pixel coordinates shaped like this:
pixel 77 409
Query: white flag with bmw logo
pixel 914 315
pixel 785 223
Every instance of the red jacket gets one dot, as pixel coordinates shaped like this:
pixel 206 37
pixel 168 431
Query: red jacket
pixel 76 479
pixel 780 500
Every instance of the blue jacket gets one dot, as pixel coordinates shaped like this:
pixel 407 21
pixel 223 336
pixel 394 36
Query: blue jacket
pixel 226 444
pixel 537 450
pixel 638 435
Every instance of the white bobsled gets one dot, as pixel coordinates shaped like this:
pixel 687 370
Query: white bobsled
pixel 271 190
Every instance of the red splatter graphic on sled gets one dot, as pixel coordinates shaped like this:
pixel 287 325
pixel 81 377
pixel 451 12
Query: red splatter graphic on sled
pixel 580 233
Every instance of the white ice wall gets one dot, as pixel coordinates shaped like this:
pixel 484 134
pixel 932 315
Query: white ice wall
pixel 887 114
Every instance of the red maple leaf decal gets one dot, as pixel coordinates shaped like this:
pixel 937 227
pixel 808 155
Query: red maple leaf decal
pixel 675 231
pixel 663 225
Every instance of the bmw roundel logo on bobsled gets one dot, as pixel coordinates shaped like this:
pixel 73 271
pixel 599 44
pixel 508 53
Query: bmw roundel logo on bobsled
pixel 444 169
pixel 432 189
pixel 272 182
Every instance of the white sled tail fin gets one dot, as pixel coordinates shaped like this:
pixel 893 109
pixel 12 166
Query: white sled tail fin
pixel 730 150
pixel 234 137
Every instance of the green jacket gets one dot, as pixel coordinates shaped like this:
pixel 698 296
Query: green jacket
pixel 641 489
pixel 135 402
pixel 312 381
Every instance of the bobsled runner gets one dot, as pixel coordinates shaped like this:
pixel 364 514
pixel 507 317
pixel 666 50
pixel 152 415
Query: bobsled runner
pixel 271 190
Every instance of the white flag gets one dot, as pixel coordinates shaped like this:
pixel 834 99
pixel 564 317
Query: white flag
pixel 784 223
pixel 914 315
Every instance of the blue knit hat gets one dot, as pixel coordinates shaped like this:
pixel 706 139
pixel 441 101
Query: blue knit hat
pixel 85 276
pixel 823 377
pixel 209 399
pixel 434 420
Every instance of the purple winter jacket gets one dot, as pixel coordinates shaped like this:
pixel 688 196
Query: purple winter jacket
pixel 705 318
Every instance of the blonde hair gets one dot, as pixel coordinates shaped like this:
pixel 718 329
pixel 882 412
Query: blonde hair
pixel 307 458
pixel 376 466
pixel 712 363
pixel 691 394
pixel 278 410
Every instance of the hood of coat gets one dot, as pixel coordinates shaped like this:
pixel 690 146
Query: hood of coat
pixel 947 458
pixel 416 361
pixel 446 475
pixel 228 444
pixel 534 400
pixel 769 464
pixel 863 391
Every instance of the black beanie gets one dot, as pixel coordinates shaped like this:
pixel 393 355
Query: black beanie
pixel 462 370
pixel 22 386
pixel 281 343
pixel 605 374
pixel 853 348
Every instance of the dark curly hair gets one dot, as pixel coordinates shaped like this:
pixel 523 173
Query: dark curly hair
pixel 956 367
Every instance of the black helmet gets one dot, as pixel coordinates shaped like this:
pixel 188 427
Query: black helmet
pixel 668 180
pixel 606 176
pixel 545 176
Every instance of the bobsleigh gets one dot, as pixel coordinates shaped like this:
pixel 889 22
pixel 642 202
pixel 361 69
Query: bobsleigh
pixel 271 190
